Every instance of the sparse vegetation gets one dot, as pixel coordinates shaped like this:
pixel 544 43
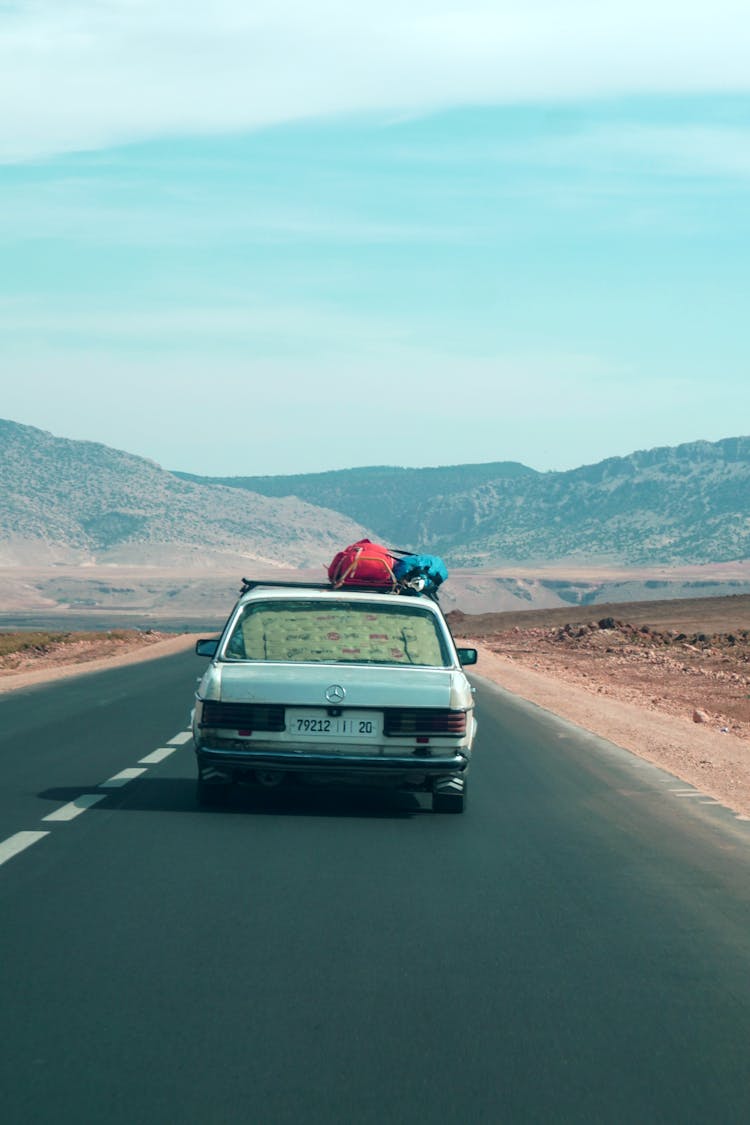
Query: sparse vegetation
pixel 41 643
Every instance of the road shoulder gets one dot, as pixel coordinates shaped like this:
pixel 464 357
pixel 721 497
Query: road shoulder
pixel 32 677
pixel 716 763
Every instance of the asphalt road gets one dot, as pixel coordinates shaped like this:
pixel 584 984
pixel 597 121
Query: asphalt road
pixel 574 948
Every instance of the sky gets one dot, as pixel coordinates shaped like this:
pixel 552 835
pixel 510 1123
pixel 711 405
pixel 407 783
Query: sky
pixel 266 238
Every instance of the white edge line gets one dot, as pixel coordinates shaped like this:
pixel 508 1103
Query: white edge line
pixel 18 843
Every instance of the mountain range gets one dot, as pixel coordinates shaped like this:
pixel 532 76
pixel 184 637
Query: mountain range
pixel 74 501
pixel 688 504
pixel 78 501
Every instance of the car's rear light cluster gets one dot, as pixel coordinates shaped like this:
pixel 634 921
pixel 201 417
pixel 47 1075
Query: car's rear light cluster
pixel 242 716
pixel 407 722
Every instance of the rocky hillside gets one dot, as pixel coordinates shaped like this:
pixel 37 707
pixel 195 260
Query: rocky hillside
pixel 72 501
pixel 406 506
pixel 670 506
pixel 78 501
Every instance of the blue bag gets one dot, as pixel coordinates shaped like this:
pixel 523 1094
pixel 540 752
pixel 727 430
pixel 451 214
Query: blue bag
pixel 429 568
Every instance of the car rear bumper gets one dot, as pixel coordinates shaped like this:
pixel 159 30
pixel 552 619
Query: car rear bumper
pixel 433 765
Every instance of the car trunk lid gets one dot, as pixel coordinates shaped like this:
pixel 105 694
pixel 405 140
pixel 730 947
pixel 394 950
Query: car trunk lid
pixel 362 687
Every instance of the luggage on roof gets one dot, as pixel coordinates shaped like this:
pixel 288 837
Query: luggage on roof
pixel 368 564
pixel 363 563
pixel 421 572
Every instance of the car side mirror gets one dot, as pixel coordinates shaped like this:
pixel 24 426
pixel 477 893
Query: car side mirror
pixel 466 655
pixel 206 646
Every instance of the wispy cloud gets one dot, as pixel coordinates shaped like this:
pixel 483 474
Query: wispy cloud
pixel 90 74
pixel 666 150
pixel 250 326
pixel 75 209
pixel 623 143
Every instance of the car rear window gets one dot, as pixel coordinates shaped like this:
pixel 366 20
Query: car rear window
pixel 338 632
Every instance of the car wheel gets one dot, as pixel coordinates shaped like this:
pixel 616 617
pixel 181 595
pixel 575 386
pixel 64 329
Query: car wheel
pixel 449 794
pixel 448 802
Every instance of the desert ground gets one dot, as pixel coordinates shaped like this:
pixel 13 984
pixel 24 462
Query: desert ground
pixel 107 596
pixel 667 680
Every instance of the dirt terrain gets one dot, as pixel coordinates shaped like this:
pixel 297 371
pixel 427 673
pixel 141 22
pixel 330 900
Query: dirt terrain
pixel 667 680
pixel 689 659
pixel 49 658
pixel 105 596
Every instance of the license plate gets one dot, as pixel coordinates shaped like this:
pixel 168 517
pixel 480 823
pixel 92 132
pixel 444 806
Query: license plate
pixel 356 725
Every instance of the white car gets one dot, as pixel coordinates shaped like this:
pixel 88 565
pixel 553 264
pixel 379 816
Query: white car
pixel 308 682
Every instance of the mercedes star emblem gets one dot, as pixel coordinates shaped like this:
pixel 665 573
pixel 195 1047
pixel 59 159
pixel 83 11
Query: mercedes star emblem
pixel 335 693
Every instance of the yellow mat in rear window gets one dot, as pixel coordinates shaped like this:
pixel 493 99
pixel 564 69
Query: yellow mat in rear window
pixel 337 634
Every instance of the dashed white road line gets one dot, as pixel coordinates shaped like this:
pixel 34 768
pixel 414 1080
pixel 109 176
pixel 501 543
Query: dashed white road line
pixel 157 756
pixel 18 843
pixel 75 808
pixel 180 739
pixel 122 778
pixel 22 840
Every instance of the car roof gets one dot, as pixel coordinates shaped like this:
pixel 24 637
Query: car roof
pixel 310 591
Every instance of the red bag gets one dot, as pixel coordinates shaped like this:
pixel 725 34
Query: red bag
pixel 363 564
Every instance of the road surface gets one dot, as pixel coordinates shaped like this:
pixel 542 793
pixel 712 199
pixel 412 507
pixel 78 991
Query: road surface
pixel 574 948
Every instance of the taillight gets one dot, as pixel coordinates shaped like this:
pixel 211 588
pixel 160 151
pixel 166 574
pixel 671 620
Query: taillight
pixel 242 717
pixel 416 722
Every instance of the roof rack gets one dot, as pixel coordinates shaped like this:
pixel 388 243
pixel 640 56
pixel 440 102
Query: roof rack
pixel 252 584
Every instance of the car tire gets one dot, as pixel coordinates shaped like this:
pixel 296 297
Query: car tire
pixel 449 802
